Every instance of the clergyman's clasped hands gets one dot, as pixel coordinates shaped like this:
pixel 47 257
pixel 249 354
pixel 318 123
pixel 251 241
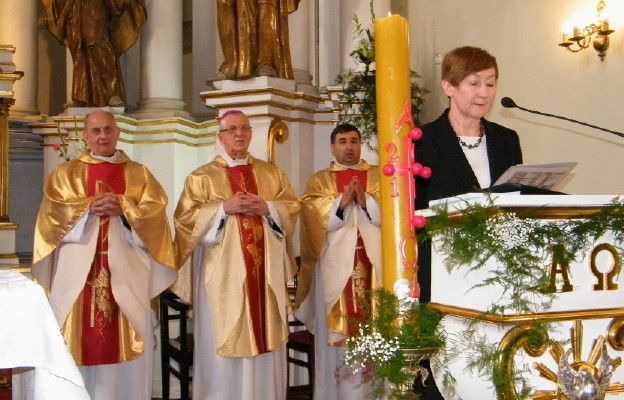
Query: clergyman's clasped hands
pixel 246 203
pixel 353 192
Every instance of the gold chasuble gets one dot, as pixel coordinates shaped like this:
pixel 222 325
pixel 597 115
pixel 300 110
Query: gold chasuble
pixel 350 308
pixel 322 190
pixel 245 271
pixel 93 278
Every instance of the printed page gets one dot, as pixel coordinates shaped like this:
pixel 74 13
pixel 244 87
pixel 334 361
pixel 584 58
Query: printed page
pixel 544 176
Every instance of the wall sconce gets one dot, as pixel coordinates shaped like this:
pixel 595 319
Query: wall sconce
pixel 582 37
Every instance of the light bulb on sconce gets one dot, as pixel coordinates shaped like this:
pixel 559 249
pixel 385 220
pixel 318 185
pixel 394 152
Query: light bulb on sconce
pixel 581 38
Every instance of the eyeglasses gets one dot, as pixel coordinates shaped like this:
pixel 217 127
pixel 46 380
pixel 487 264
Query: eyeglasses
pixel 233 128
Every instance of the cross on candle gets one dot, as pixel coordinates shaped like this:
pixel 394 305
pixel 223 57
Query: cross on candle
pixel 406 167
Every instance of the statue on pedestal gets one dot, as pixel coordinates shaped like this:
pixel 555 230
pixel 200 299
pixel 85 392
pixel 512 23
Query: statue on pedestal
pixel 254 37
pixel 96 32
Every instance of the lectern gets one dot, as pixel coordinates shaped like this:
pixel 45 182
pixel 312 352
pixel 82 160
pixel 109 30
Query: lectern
pixel 588 303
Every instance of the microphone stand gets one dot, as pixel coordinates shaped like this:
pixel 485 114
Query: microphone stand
pixel 509 103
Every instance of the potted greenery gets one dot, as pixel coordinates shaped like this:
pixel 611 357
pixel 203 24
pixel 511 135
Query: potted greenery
pixel 392 342
pixel 358 102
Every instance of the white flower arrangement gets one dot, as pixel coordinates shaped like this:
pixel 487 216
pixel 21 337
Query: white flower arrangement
pixel 72 144
pixel 509 231
pixel 370 348
pixel 378 353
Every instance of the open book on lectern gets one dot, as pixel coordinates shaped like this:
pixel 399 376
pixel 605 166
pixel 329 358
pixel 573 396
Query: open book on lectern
pixel 530 179
pixel 541 176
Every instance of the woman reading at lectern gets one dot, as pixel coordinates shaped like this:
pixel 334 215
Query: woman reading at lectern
pixel 465 151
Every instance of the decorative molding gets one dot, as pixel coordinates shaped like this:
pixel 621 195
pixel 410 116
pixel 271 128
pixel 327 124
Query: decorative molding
pixel 554 316
pixel 278 132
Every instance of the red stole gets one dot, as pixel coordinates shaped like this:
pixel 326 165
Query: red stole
pixel 100 323
pixel 360 281
pixel 242 179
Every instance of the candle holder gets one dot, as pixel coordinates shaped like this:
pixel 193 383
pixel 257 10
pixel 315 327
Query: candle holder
pixel 581 38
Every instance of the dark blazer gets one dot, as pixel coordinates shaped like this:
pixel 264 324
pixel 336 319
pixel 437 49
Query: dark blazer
pixel 451 173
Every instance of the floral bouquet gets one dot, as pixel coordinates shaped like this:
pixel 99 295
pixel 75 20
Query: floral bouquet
pixel 385 339
pixel 71 145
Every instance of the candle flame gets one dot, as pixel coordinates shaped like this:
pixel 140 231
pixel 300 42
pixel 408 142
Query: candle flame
pixel 389 13
pixel 566 27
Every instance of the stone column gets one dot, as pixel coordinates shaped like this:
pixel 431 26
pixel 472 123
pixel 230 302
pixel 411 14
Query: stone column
pixel 206 54
pixel 349 9
pixel 161 61
pixel 299 32
pixel 22 36
pixel 328 47
pixel 336 38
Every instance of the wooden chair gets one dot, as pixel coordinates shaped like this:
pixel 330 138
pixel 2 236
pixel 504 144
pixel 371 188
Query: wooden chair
pixel 179 349
pixel 300 341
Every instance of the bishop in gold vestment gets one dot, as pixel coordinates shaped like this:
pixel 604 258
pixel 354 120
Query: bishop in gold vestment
pixel 340 260
pixel 234 221
pixel 103 250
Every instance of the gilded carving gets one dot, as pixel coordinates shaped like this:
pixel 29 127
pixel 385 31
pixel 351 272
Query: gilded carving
pixel 278 132
pixel 254 38
pixel 522 337
pixel 96 33
pixel 5 104
pixel 605 280
pixel 558 267
pixel 615 334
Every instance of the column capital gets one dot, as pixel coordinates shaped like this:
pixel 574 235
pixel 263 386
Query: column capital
pixel 5 104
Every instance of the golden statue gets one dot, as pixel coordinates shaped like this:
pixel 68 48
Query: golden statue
pixel 254 37
pixel 96 32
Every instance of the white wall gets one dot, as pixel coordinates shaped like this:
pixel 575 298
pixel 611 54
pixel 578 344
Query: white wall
pixel 539 75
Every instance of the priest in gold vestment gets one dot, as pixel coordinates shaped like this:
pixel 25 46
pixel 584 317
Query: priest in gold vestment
pixel 103 250
pixel 340 260
pixel 234 221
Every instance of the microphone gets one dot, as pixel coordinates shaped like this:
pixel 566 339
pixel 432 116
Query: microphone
pixel 509 103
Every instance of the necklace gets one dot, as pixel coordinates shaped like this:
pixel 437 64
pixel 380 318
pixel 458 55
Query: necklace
pixel 474 146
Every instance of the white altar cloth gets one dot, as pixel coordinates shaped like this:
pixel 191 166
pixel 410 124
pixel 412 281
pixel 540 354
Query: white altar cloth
pixel 31 344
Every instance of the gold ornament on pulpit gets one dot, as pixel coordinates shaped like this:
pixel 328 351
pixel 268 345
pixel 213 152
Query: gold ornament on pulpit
pixel 584 381
pixel 578 379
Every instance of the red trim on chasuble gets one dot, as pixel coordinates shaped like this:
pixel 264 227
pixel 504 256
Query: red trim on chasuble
pixel 360 281
pixel 100 323
pixel 242 179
